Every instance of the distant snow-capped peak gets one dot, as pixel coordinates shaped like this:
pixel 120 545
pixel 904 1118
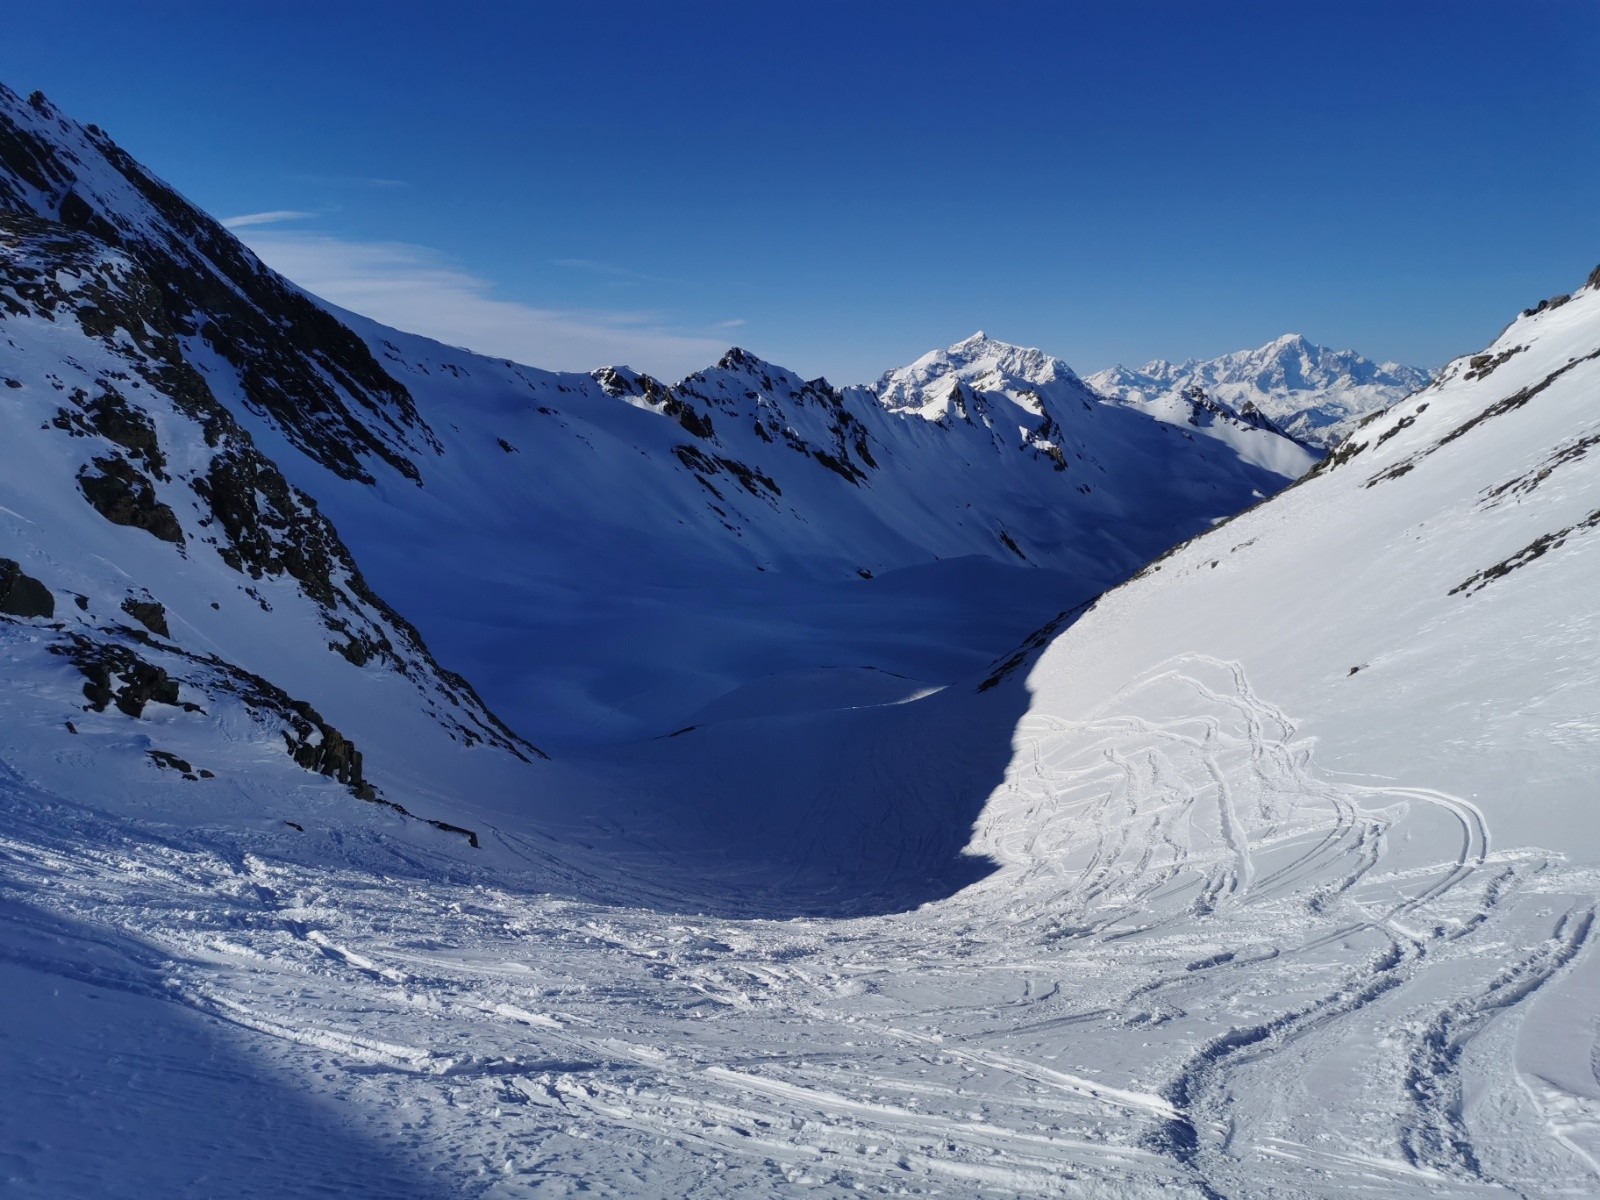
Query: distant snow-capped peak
pixel 1313 392
pixel 932 384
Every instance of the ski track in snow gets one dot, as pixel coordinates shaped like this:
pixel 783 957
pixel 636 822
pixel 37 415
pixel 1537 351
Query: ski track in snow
pixel 1203 968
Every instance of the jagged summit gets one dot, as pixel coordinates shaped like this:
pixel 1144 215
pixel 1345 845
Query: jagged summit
pixel 1265 866
pixel 514 475
pixel 1313 392
pixel 739 359
pixel 1024 362
pixel 982 362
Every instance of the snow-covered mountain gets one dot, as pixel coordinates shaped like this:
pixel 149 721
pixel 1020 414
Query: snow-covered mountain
pixel 981 383
pixel 547 533
pixel 1312 393
pixel 887 844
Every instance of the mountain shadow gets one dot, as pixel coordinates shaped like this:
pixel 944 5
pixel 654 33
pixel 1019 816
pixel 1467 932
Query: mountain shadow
pixel 117 1088
pixel 850 812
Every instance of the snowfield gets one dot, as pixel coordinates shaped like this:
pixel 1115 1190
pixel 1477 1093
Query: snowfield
pixel 873 854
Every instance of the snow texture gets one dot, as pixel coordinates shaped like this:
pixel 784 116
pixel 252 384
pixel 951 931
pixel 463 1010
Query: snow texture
pixel 1268 873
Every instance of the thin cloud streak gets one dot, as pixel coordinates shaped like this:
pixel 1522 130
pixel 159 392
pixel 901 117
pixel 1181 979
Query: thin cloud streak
pixel 347 181
pixel 274 217
pixel 418 290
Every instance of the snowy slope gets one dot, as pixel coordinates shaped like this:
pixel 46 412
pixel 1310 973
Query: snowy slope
pixel 1268 873
pixel 789 500
pixel 1341 753
pixel 604 555
pixel 1313 393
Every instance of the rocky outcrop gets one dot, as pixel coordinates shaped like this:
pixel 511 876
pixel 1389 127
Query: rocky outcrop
pixel 297 365
pixel 149 613
pixel 21 595
pixel 124 495
pixel 116 675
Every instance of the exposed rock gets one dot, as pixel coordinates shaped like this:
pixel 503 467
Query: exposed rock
pixel 149 613
pixel 170 761
pixel 22 595
pixel 124 495
pixel 117 675
pixel 110 416
pixel 297 364
pixel 270 527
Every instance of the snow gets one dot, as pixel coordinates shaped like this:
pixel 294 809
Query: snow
pixel 698 593
pixel 1270 872
pixel 1313 393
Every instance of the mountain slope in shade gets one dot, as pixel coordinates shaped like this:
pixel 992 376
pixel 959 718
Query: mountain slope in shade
pixel 1313 393
pixel 1271 872
pixel 1291 869
pixel 548 533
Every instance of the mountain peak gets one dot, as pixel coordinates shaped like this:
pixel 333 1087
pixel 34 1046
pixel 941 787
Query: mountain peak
pixel 982 352
pixel 737 358
pixel 1313 393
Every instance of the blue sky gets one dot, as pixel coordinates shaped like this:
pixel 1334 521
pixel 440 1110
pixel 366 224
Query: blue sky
pixel 841 187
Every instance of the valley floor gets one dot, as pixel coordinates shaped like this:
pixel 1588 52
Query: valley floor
pixel 1202 966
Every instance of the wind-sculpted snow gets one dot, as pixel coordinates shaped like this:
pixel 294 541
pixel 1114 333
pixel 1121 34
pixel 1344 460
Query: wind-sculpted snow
pixel 1271 872
pixel 1206 966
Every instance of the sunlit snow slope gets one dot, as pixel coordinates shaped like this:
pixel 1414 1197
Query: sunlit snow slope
pixel 1270 873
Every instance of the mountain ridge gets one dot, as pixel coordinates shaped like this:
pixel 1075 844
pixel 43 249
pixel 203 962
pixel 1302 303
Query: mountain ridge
pixel 913 822
pixel 739 470
pixel 1312 392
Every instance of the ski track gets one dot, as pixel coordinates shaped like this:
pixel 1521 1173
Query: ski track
pixel 1203 968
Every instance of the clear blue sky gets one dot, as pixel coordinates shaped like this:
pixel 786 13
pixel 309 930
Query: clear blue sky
pixel 842 186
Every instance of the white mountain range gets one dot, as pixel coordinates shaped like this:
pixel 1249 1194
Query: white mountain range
pixel 427 775
pixel 1315 394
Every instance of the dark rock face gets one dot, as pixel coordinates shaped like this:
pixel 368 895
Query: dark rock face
pixel 116 675
pixel 149 614
pixel 256 521
pixel 296 363
pixel 124 495
pixel 318 746
pixel 22 595
pixel 111 416
pixel 270 528
pixel 171 762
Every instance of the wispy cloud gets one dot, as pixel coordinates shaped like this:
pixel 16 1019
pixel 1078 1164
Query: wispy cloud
pixel 733 324
pixel 348 181
pixel 274 217
pixel 419 290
